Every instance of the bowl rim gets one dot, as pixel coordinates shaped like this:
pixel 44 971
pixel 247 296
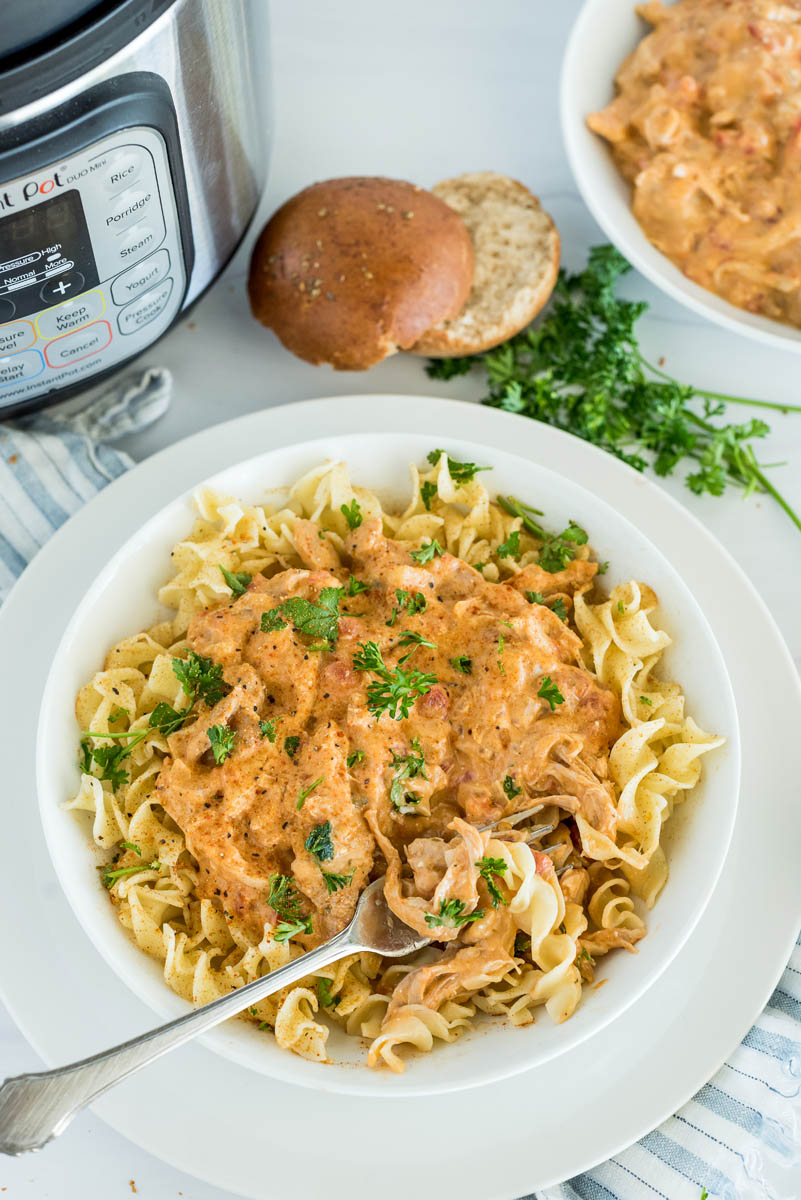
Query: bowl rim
pixel 154 992
pixel 630 240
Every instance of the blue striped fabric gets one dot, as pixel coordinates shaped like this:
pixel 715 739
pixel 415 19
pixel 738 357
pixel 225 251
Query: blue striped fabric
pixel 740 1137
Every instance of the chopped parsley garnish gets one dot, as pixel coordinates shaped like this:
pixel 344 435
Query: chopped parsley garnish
pixel 395 691
pixel 307 791
pixel 410 638
pixel 620 607
pixel 550 692
pixel 462 664
pixel 335 882
pixel 320 843
pixel 167 719
pixel 646 700
pixel 109 758
pixel 511 547
pixel 324 993
pixel 267 729
pixel 582 370
pixel 200 678
pixel 510 787
pixel 452 915
pixel 110 875
pixel 289 929
pixel 491 869
pixel 427 552
pixel 585 956
pixel 283 896
pixel 522 944
pixel 355 587
pixel 557 549
pixel 355 756
pixel 427 493
pixel 132 846
pixel 460 472
pixel 501 645
pixel 603 568
pixel 407 602
pixel 291 744
pixel 352 513
pixel 408 766
pixel 237 580
pixel 558 606
pixel 315 619
pixel 222 742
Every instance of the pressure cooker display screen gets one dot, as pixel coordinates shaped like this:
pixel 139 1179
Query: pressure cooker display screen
pixel 45 254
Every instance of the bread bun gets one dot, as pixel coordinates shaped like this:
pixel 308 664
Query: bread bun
pixel 516 263
pixel 351 270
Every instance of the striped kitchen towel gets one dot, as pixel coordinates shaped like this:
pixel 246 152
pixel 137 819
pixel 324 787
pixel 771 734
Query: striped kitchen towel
pixel 53 462
pixel 738 1139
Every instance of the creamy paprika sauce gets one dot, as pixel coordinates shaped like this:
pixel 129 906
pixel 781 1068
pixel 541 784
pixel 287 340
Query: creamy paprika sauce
pixel 313 748
pixel 706 127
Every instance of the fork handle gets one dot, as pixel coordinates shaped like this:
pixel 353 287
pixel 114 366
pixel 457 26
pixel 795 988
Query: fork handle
pixel 37 1107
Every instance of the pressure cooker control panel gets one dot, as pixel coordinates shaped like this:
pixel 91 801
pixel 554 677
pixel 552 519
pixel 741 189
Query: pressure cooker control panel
pixel 91 267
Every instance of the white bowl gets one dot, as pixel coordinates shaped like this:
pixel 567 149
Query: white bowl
pixel 604 33
pixel 123 599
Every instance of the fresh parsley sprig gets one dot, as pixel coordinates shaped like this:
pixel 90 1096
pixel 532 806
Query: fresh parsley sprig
pixel 394 692
pixel 427 552
pixel 491 869
pixel 451 915
pixel 557 549
pixel 320 842
pixel 237 580
pixel 460 472
pixel 111 874
pixel 581 369
pixel 221 739
pixel 333 882
pixel 549 691
pixel 406 602
pixel 407 766
pixel 352 513
pixel 200 678
pixel 315 619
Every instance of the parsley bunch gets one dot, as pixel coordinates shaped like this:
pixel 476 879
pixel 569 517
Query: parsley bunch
pixel 580 369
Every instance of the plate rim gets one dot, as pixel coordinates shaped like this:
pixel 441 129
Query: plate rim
pixel 531 436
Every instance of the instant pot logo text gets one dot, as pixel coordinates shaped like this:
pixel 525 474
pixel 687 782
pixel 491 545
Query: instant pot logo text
pixel 39 189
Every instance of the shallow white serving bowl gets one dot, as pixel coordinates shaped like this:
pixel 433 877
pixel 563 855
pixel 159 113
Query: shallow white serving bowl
pixel 122 599
pixel 604 33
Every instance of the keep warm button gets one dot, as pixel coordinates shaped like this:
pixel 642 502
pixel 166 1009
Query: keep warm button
pixel 82 344
pixel 145 309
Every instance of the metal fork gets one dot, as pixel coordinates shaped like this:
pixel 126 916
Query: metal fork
pixel 37 1107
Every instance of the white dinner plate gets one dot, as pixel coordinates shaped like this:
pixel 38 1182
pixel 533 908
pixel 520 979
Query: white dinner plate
pixel 260 1138
pixel 123 599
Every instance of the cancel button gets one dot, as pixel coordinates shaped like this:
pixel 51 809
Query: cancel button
pixel 144 310
pixel 144 275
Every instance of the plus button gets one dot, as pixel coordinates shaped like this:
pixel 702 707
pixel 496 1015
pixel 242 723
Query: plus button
pixel 70 280
pixel 62 287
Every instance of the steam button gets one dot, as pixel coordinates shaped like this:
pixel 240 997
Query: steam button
pixel 136 242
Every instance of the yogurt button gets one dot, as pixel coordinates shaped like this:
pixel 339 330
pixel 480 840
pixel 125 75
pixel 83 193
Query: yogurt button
pixel 16 368
pixel 144 310
pixel 145 275
pixel 19 335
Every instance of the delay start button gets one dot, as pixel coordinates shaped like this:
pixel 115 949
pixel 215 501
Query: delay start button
pixel 72 347
pixel 141 277
pixel 144 310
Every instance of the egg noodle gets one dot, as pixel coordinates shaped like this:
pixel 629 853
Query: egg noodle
pixel 528 918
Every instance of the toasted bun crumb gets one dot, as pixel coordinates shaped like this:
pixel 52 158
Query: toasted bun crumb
pixel 516 263
pixel 350 270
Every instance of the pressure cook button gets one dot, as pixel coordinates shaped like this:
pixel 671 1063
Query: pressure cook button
pixel 123 168
pixel 72 347
pixel 145 309
pixel 16 368
pixel 145 275
pixel 61 287
pixel 19 335
pixel 139 240
pixel 70 315
pixel 128 208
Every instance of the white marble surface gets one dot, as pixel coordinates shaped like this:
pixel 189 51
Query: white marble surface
pixel 419 91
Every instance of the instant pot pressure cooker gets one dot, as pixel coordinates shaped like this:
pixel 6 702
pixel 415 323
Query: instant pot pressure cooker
pixel 133 147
